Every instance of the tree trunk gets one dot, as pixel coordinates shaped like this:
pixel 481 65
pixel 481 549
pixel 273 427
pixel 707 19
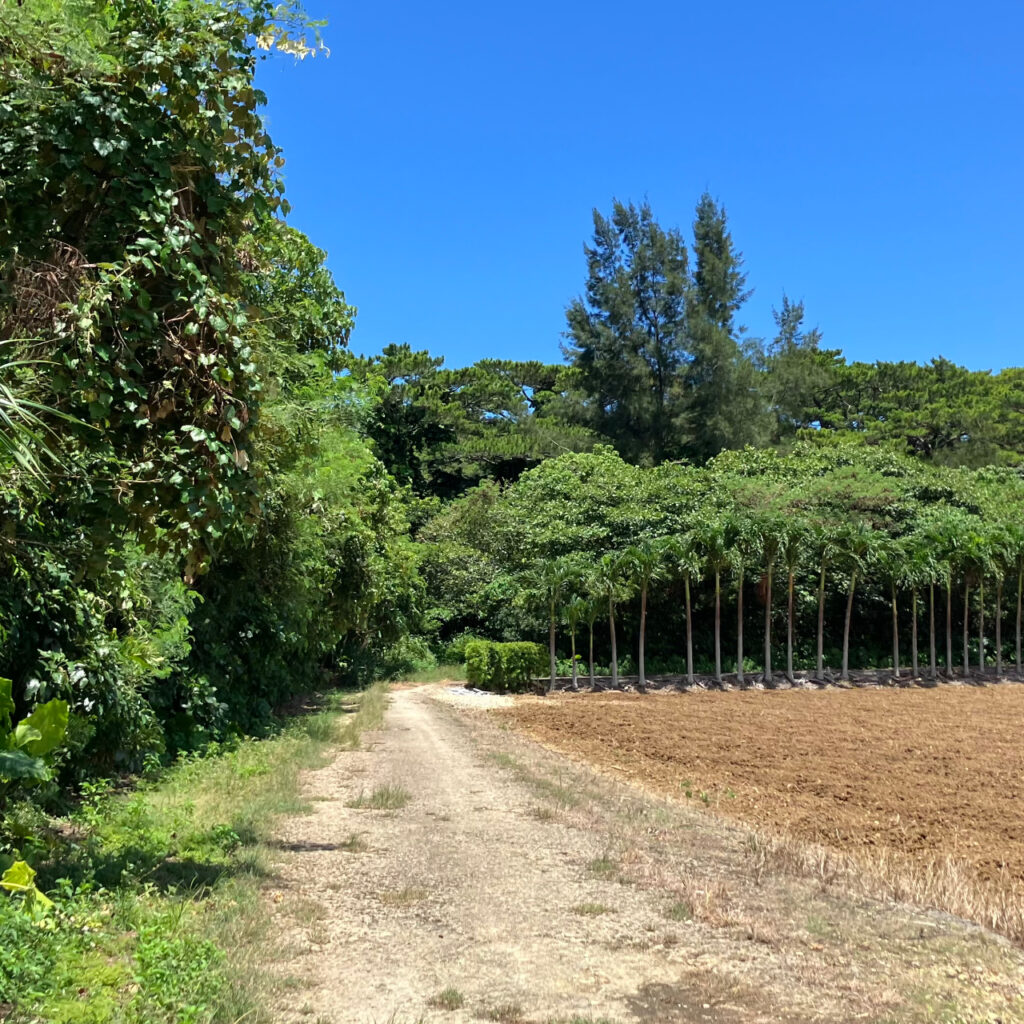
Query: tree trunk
pixel 768 630
pixel 820 667
pixel 932 666
pixel 846 628
pixel 981 627
pixel 999 628
pixel 967 626
pixel 689 634
pixel 593 685
pixel 551 648
pixel 642 681
pixel 739 630
pixel 895 635
pixel 789 632
pixel 1020 593
pixel 572 646
pixel 718 626
pixel 615 650
pixel 913 632
pixel 949 625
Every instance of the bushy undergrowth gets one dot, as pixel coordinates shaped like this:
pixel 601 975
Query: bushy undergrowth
pixel 156 917
pixel 503 668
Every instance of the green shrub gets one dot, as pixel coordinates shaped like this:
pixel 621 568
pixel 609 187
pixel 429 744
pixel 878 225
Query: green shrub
pixel 503 668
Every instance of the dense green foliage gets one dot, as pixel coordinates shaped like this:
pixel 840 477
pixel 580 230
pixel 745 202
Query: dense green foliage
pixel 192 526
pixel 156 914
pixel 503 667
pixel 862 541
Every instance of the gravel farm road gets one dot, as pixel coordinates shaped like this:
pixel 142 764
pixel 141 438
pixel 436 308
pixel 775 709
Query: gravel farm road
pixel 536 890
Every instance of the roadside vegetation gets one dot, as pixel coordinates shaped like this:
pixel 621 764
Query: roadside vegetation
pixel 156 910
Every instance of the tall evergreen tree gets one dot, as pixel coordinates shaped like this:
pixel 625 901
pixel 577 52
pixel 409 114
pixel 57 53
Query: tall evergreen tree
pixel 627 337
pixel 725 409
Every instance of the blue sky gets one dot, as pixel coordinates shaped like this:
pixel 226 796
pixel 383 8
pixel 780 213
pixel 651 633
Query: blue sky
pixel 870 157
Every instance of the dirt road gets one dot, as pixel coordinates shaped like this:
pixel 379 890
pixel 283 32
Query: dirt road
pixel 532 890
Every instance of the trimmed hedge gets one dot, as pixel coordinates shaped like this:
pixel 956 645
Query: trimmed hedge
pixel 503 668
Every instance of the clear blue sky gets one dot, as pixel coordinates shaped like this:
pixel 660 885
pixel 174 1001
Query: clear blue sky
pixel 870 156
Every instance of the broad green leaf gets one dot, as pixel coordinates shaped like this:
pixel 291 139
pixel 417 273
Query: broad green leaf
pixel 50 720
pixel 17 766
pixel 20 878
pixel 6 704
pixel 23 735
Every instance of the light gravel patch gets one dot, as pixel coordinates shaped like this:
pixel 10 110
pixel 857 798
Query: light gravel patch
pixel 467 697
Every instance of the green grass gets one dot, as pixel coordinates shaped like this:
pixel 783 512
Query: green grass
pixel 679 911
pixel 448 999
pixel 437 674
pixel 158 918
pixel 507 1013
pixel 603 867
pixel 591 909
pixel 389 797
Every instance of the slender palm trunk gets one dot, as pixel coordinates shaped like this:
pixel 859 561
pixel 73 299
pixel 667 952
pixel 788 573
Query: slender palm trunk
pixel 820 667
pixel 593 685
pixel 981 627
pixel 642 682
pixel 572 645
pixel 846 627
pixel 615 650
pixel 718 625
pixel 789 630
pixel 1020 594
pixel 689 634
pixel 967 626
pixel 551 648
pixel 999 627
pixel 949 625
pixel 768 629
pixel 913 632
pixel 895 635
pixel 739 629
pixel 932 667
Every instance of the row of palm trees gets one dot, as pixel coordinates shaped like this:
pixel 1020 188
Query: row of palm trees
pixel 946 548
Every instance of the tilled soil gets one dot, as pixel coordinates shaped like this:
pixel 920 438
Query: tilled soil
pixel 540 891
pixel 922 772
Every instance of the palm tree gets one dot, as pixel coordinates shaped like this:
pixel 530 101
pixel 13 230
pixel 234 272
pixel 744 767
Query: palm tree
pixel 547 582
pixel 794 547
pixel 859 539
pixel 823 541
pixel 593 610
pixel 685 562
pixel 890 555
pixel 643 563
pixel 713 543
pixel 22 426
pixel 611 586
pixel 1014 556
pixel 575 610
pixel 745 551
pixel 771 532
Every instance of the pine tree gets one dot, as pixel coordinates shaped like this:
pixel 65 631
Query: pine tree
pixel 724 406
pixel 627 338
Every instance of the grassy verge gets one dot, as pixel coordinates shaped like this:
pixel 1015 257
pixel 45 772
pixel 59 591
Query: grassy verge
pixel 437 674
pixel 157 916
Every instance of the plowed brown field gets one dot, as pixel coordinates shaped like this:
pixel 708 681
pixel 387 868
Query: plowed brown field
pixel 926 773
